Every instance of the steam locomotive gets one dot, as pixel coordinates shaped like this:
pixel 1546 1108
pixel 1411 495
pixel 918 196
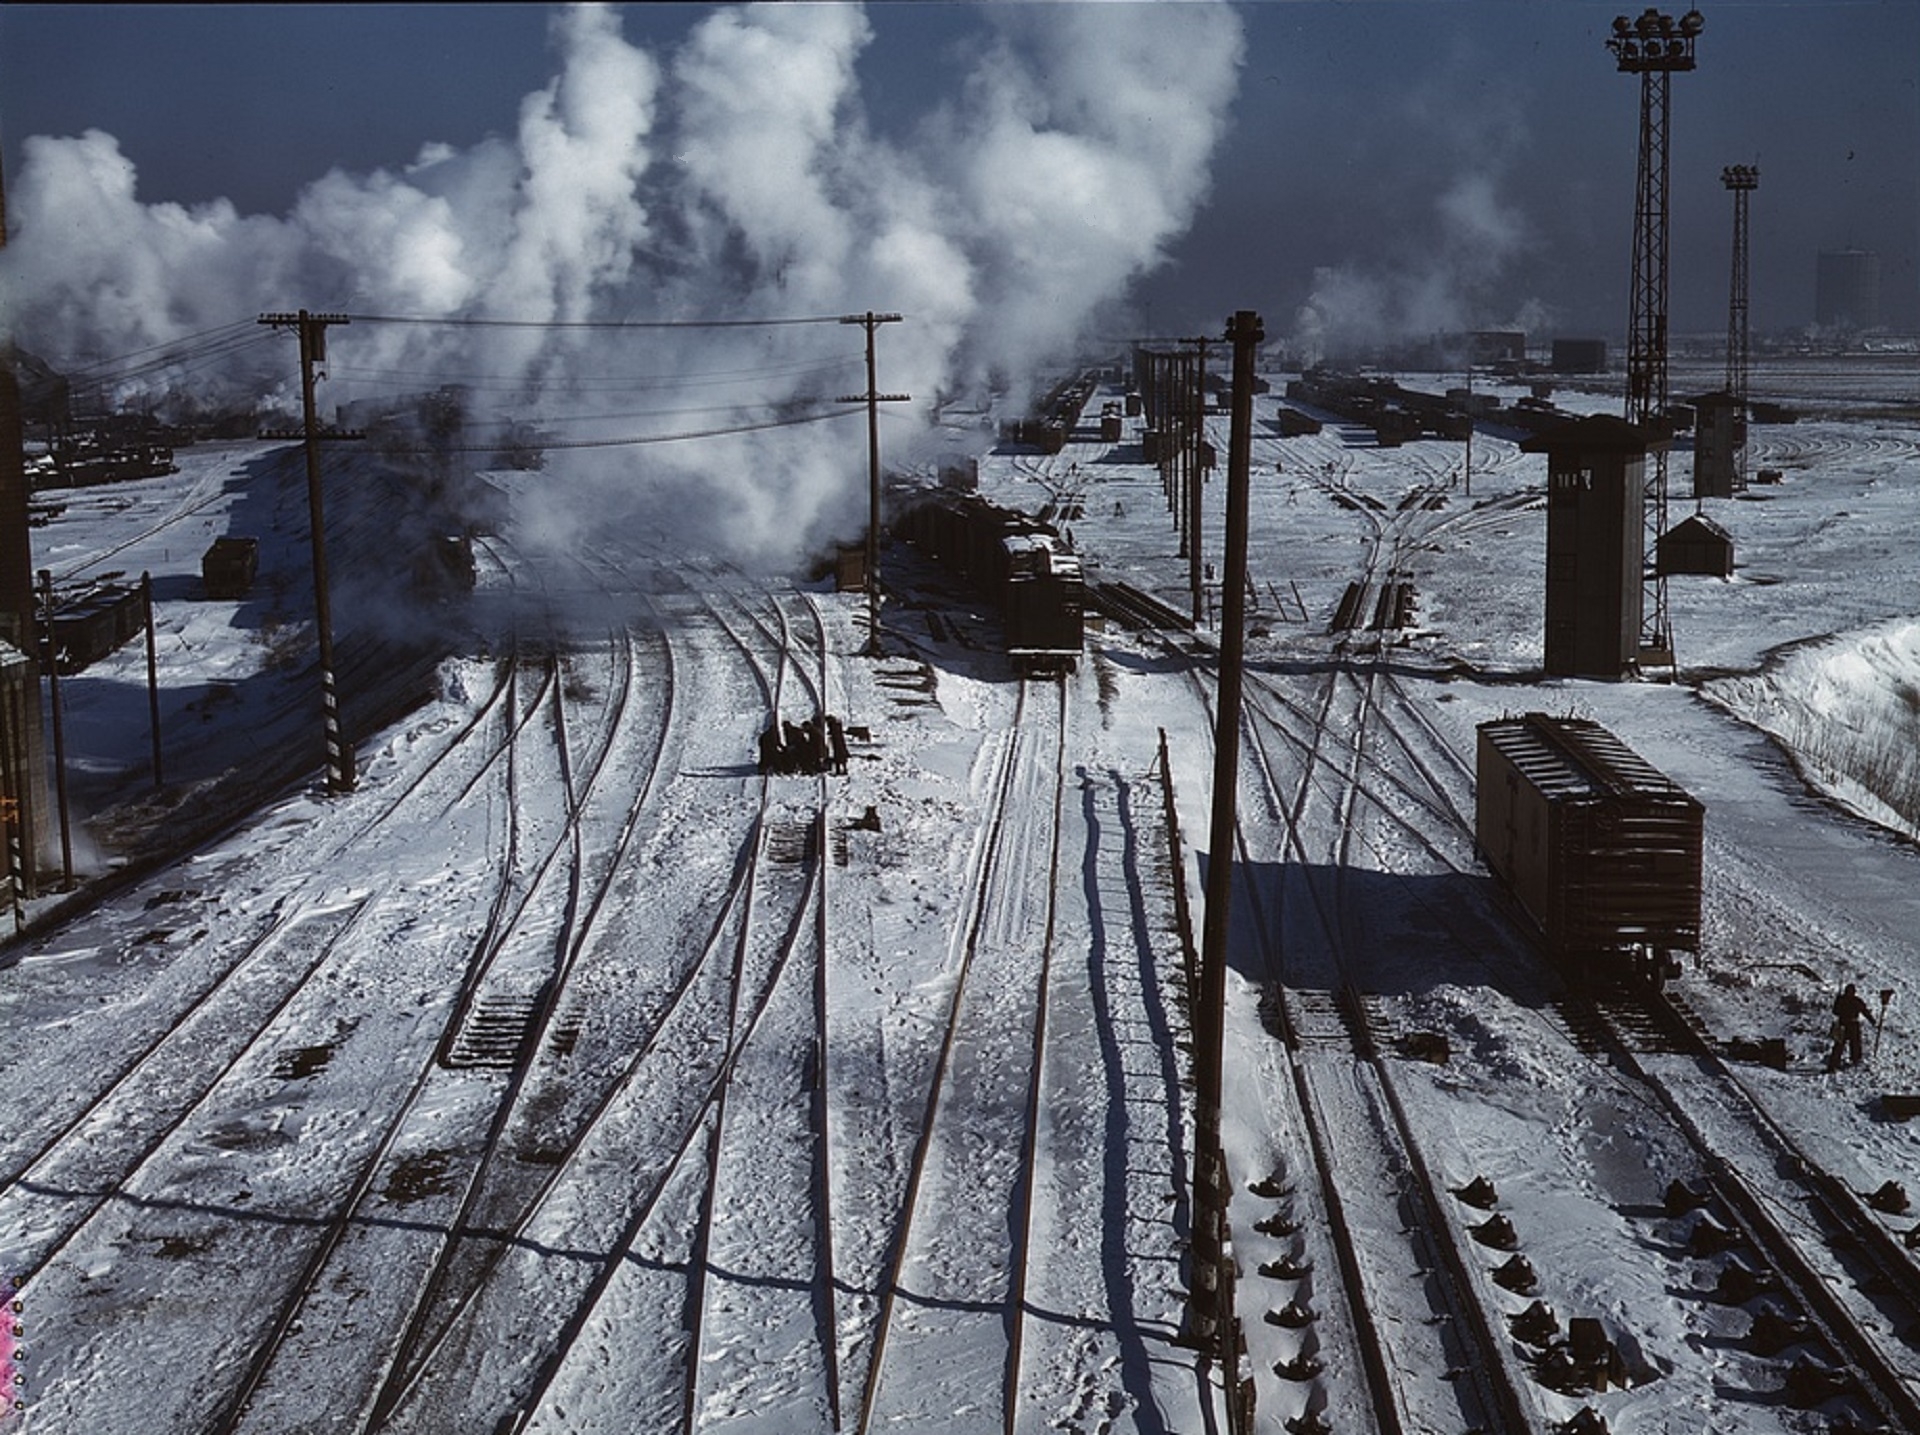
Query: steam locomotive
pixel 1018 563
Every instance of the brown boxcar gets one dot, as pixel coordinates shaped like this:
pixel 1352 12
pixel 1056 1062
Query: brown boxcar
pixel 89 625
pixel 1601 850
pixel 228 567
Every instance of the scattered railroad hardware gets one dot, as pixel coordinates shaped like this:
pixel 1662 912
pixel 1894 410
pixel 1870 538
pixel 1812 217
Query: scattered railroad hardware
pixel 1601 851
pixel 229 566
pixel 815 747
pixel 1020 564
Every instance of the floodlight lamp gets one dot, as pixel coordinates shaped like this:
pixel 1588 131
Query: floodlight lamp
pixel 1622 26
pixel 1678 49
pixel 1666 25
pixel 1648 25
pixel 1692 23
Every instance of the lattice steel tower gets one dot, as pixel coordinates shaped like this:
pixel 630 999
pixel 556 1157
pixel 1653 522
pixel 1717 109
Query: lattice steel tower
pixel 1652 47
pixel 1741 180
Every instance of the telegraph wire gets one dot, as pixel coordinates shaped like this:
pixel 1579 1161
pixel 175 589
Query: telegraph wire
pixel 594 323
pixel 594 383
pixel 630 441
pixel 224 329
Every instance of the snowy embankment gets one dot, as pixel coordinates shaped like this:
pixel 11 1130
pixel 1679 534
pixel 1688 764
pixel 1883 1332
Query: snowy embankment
pixel 1848 709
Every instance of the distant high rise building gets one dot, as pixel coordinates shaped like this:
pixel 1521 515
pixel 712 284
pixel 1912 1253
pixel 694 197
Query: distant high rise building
pixel 1846 292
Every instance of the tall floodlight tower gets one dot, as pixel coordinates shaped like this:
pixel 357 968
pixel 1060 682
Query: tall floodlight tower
pixel 1741 181
pixel 1652 47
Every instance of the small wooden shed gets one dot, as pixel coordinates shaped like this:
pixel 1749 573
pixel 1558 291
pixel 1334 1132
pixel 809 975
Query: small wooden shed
pixel 1697 545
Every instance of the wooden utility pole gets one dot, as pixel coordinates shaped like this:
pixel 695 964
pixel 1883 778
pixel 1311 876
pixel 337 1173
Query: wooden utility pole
pixel 1216 1324
pixel 59 733
pixel 153 676
pixel 1196 447
pixel 312 329
pixel 873 398
pixel 23 775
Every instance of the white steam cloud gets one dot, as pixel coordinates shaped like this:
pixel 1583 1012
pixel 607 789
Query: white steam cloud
pixel 738 177
pixel 1452 260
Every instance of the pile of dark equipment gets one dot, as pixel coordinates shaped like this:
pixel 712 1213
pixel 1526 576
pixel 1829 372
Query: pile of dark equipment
pixel 812 748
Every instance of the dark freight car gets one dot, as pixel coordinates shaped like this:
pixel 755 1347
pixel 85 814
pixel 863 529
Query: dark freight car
pixel 1017 563
pixel 89 625
pixel 1044 604
pixel 228 566
pixel 1601 850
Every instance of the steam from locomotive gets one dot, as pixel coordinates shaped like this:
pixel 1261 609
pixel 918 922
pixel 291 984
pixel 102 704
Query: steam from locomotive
pixel 738 176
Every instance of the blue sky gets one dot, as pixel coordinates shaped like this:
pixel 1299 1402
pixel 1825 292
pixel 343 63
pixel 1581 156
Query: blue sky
pixel 1375 150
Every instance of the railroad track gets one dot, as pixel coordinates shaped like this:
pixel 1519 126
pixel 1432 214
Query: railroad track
pixel 627 1227
pixel 1832 1292
pixel 952 1310
pixel 498 1041
pixel 85 1155
pixel 1373 1196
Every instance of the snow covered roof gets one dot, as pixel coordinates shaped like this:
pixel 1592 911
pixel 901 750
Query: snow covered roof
pixel 1597 433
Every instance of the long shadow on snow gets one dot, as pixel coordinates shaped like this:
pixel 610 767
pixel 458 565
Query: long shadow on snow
pixel 1128 941
pixel 1397 934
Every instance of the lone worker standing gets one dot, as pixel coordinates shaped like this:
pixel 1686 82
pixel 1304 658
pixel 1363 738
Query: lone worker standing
pixel 1849 1011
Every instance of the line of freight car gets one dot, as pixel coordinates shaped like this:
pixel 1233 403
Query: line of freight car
pixel 1055 417
pixel 1019 564
pixel 1603 852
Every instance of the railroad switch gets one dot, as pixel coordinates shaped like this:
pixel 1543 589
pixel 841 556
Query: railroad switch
pixel 1773 1334
pixel 1479 1193
pixel 1517 1276
pixel 1496 1231
pixel 1537 1325
pixel 1683 1197
pixel 1710 1238
pixel 1740 1283
pixel 1291 1316
pixel 1809 1384
pixel 1890 1199
pixel 1287 1268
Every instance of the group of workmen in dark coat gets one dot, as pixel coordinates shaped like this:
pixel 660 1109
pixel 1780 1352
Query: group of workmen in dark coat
pixel 815 746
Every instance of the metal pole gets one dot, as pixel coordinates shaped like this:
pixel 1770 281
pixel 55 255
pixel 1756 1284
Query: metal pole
pixel 153 676
pixel 59 733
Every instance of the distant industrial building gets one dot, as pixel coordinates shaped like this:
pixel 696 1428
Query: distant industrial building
pixel 1846 293
pixel 1719 434
pixel 1579 356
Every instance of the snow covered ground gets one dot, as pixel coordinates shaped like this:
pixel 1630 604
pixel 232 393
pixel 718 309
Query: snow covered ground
pixel 252 1108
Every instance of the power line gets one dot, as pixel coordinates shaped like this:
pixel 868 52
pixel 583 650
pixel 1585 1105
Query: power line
pixel 635 440
pixel 595 323
pixel 224 329
pixel 510 383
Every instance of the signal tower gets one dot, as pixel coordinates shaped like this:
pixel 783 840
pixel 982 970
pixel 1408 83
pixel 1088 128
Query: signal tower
pixel 1741 180
pixel 1653 47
